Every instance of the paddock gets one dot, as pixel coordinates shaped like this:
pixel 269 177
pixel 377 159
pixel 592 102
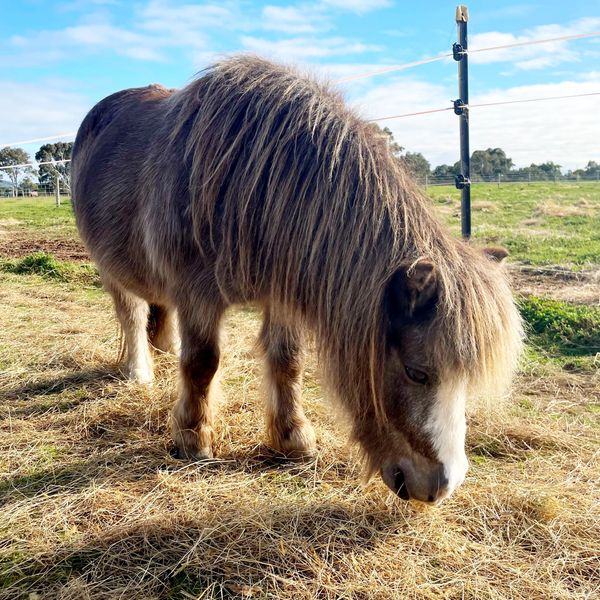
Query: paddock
pixel 95 506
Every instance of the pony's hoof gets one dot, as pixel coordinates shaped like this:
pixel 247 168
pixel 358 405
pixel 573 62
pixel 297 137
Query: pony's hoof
pixel 140 376
pixel 305 454
pixel 300 444
pixel 197 455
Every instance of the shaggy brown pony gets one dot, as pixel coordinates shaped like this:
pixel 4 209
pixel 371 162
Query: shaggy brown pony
pixel 253 184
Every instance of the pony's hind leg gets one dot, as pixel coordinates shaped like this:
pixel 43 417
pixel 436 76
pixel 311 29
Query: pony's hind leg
pixel 132 312
pixel 162 329
pixel 288 429
pixel 192 417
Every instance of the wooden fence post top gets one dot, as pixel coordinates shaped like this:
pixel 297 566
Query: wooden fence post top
pixel 462 13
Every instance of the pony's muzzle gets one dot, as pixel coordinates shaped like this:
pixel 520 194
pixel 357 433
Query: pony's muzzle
pixel 428 485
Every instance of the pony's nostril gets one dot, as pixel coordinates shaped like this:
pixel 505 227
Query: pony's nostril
pixel 441 485
pixel 400 486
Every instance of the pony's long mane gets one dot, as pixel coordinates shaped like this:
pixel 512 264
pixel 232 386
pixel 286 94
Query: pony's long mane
pixel 306 206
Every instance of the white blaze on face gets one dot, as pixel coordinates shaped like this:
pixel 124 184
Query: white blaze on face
pixel 447 427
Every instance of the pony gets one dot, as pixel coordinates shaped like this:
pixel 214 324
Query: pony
pixel 256 184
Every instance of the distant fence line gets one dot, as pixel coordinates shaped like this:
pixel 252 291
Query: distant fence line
pixel 507 178
pixel 424 181
pixel 429 181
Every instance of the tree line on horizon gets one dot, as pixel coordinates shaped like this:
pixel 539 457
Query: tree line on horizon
pixel 489 164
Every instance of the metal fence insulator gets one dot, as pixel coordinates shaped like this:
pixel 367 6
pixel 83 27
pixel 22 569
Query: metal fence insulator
pixel 458 51
pixel 459 107
pixel 461 182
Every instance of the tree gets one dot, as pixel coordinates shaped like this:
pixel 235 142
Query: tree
pixel 416 164
pixel 446 171
pixel 10 157
pixel 545 171
pixel 48 173
pixel 591 171
pixel 395 148
pixel 28 185
pixel 490 163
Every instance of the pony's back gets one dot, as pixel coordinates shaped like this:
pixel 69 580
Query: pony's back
pixel 110 180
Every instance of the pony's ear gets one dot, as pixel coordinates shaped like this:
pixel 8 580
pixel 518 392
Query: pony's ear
pixel 413 291
pixel 496 253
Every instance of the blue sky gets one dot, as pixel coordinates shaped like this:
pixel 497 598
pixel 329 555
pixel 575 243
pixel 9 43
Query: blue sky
pixel 64 56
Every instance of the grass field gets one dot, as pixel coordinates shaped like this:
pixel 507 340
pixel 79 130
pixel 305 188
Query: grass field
pixel 92 505
pixel 541 224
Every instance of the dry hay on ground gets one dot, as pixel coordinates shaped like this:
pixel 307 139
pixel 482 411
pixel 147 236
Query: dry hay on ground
pixel 94 506
pixel 581 208
pixel 485 206
pixel 9 223
pixel 579 287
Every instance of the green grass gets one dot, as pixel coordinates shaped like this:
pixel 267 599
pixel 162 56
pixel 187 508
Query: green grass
pixel 41 263
pixel 563 327
pixel 561 332
pixel 40 214
pixel 540 224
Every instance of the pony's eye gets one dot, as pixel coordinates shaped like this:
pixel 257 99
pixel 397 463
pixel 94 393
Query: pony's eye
pixel 417 376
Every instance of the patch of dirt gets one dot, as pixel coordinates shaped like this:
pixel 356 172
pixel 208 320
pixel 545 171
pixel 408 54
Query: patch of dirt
pixel 16 245
pixel 558 283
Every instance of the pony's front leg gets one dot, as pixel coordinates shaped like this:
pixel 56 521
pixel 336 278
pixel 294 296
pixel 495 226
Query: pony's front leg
pixel 288 429
pixel 192 417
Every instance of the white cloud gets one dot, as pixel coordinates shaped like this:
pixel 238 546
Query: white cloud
pixel 358 6
pixel 535 56
pixel 38 110
pixel 89 38
pixel 103 36
pixel 564 131
pixel 332 71
pixel 76 5
pixel 179 24
pixel 301 49
pixel 434 135
pixel 293 19
pixel 159 26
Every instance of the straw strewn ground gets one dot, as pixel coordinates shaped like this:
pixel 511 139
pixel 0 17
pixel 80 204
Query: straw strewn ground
pixel 92 505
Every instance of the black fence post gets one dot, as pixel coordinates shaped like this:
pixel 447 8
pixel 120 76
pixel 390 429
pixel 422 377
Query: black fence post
pixel 461 108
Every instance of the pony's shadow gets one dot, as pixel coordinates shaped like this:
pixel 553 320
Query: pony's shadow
pixel 112 459
pixel 255 459
pixel 56 385
pixel 231 551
